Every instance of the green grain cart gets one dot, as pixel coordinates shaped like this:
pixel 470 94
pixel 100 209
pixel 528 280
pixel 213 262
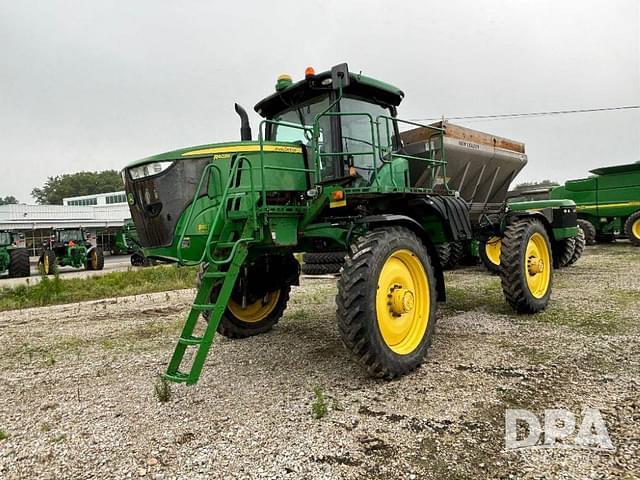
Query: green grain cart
pixel 327 173
pixel 14 258
pixel 608 202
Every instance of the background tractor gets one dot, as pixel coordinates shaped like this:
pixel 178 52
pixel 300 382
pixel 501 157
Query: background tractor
pixel 70 247
pixel 126 242
pixel 14 258
pixel 608 202
pixel 328 173
pixel 481 167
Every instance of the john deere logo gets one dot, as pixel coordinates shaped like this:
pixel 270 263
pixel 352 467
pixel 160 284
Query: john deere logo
pixel 130 199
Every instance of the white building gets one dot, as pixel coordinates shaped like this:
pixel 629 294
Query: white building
pixel 101 214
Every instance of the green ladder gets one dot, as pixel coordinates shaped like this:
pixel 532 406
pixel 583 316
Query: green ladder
pixel 202 303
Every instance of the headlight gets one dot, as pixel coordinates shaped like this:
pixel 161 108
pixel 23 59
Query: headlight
pixel 148 169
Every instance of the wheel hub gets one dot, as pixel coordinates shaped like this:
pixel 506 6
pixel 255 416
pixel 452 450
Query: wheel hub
pixel 401 300
pixel 535 265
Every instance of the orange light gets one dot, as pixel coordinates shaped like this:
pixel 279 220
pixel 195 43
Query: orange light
pixel 309 72
pixel 337 195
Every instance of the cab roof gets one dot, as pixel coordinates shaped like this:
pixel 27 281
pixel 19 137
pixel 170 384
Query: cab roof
pixel 630 167
pixel 311 87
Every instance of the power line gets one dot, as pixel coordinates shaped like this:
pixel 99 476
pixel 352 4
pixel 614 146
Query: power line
pixel 527 114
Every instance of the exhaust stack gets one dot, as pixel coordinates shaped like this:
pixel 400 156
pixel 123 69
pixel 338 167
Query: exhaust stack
pixel 245 128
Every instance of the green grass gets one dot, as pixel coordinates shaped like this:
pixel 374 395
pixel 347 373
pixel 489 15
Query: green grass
pixel 162 390
pixel 56 290
pixel 3 435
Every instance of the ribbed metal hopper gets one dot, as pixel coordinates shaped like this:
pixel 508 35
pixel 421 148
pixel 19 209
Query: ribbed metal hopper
pixel 480 166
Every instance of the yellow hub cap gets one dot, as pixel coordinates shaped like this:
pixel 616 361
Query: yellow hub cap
pixel 256 311
pixel 538 266
pixel 493 248
pixel 635 228
pixel 94 259
pixel 403 302
pixel 45 264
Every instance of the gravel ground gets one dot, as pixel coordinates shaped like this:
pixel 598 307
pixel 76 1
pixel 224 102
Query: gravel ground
pixel 77 388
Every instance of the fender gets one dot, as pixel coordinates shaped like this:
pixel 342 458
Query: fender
pixel 408 222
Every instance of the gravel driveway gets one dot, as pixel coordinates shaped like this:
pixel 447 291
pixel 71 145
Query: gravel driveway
pixel 77 388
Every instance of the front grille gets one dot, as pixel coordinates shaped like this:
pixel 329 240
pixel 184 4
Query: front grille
pixel 161 199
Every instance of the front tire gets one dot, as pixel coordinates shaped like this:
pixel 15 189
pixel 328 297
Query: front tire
pixel 564 252
pixel 386 302
pixel 526 266
pixel 259 315
pixel 589 231
pixel 632 228
pixel 579 248
pixel 490 253
pixel 19 263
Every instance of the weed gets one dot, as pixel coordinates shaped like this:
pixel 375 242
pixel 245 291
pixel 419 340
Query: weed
pixel 45 427
pixel 59 438
pixel 3 435
pixel 162 390
pixel 50 360
pixel 319 407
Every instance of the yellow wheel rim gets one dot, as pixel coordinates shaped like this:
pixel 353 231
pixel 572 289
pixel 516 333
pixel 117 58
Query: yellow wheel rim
pixel 538 266
pixel 635 228
pixel 256 311
pixel 492 248
pixel 45 263
pixel 403 302
pixel 94 259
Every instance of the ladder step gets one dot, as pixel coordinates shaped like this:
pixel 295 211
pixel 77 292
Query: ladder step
pixel 215 275
pixel 177 377
pixel 225 244
pixel 191 340
pixel 238 214
pixel 207 306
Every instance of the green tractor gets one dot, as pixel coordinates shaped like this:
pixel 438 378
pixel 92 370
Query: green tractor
pixel 608 202
pixel 126 242
pixel 328 173
pixel 14 258
pixel 70 247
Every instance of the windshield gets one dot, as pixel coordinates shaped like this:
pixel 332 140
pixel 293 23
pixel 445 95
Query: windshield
pixel 5 238
pixel 67 235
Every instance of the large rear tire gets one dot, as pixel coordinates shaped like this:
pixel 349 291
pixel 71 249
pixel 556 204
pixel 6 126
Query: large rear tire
pixel 632 228
pixel 526 266
pixel 259 315
pixel 19 263
pixel 48 263
pixel 386 302
pixel 589 231
pixel 95 259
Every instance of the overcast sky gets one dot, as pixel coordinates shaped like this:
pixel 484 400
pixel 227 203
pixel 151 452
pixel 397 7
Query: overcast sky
pixel 94 85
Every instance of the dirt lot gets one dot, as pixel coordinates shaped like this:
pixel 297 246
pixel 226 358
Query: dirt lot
pixel 77 388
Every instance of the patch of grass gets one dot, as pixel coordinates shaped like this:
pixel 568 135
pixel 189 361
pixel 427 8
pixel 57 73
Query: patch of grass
pixel 59 438
pixel 594 322
pixel 3 435
pixel 51 360
pixel 162 390
pixel 319 408
pixel 485 296
pixel 131 282
pixel 45 427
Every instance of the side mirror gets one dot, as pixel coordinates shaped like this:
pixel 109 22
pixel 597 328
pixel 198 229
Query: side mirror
pixel 340 76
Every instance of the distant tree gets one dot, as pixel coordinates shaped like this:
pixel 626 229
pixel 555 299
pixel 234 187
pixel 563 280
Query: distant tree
pixel 77 184
pixel 9 200
pixel 532 185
